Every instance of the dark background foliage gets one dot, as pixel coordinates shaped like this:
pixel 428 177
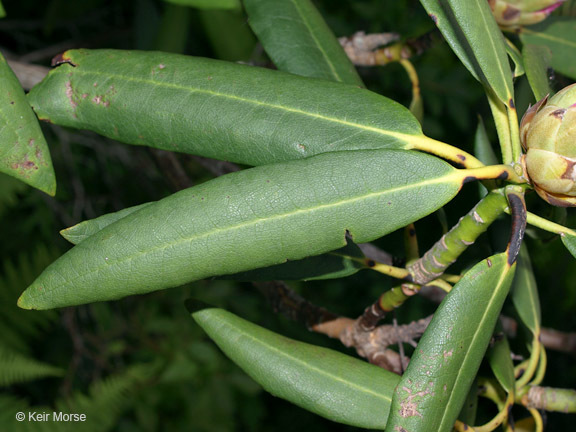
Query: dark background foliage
pixel 141 363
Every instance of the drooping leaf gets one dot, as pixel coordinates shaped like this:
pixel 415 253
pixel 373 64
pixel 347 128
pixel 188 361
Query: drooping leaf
pixel 537 60
pixel 433 389
pixel 299 41
pixel 80 232
pixel 559 35
pixel 500 358
pixel 207 4
pixel 217 109
pixel 328 383
pixel 340 263
pixel 471 31
pixel 524 292
pixel 24 153
pixel 570 243
pixel 249 219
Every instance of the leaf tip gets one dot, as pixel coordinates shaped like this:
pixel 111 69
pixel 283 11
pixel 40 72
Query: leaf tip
pixel 195 305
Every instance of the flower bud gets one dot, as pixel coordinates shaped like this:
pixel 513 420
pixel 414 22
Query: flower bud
pixel 512 14
pixel 548 134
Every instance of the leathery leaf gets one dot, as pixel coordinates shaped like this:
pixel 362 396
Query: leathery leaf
pixel 299 41
pixel 326 382
pixel 24 153
pixel 249 219
pixel 217 109
pixel 436 383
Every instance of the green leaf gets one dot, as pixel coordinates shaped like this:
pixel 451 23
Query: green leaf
pixel 2 11
pixel 249 219
pixel 336 264
pixel 470 29
pixel 340 263
pixel 80 232
pixel 483 151
pixel 207 4
pixel 525 292
pixel 24 153
pixel 433 389
pixel 500 358
pixel 217 109
pixel 570 243
pixel 516 57
pixel 326 382
pixel 537 60
pixel 299 41
pixel 559 35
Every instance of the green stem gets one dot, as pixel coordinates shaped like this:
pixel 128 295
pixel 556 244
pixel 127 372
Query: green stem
pixel 463 234
pixel 546 225
pixel 387 302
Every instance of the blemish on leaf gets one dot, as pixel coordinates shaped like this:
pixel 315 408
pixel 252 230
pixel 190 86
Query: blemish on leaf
pixel 434 18
pixel 511 104
pixel 70 95
pixel 97 99
pixel 461 157
pixel 31 142
pixel 161 66
pixel 489 262
pixel 84 95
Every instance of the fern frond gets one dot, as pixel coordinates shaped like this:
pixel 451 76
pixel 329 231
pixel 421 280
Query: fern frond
pixel 18 326
pixel 17 368
pixel 108 398
pixel 9 189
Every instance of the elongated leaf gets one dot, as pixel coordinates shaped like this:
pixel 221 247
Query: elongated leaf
pixel 516 57
pixel 570 243
pixel 470 29
pixel 299 41
pixel 80 232
pixel 434 387
pixel 207 4
pixel 217 109
pixel 328 383
pixel 500 358
pixel 559 35
pixel 24 153
pixel 336 264
pixel 525 293
pixel 249 219
pixel 537 61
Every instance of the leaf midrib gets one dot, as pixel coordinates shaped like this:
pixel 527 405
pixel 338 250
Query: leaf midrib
pixel 478 331
pixel 455 176
pixel 408 138
pixel 307 365
pixel 320 47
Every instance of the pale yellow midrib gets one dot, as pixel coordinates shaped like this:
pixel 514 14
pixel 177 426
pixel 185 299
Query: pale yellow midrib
pixel 308 366
pixel 454 176
pixel 476 333
pixel 408 138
